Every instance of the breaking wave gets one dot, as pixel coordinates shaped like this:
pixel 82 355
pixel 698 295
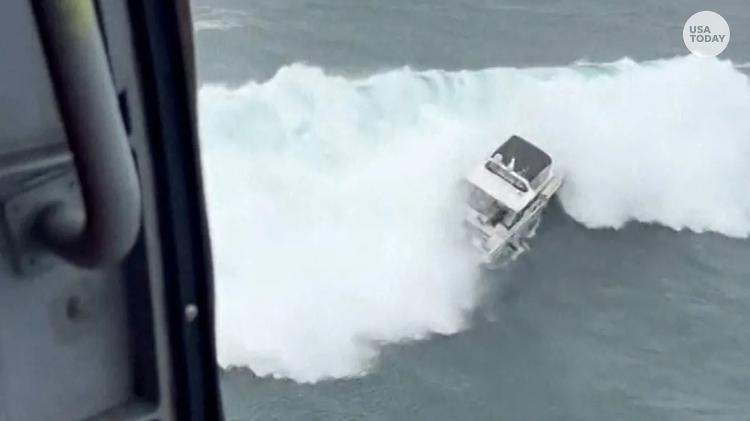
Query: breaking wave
pixel 331 200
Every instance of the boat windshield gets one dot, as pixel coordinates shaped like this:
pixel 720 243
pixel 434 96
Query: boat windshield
pixel 506 175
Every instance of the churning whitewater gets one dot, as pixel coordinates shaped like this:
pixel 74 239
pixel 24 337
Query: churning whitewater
pixel 332 201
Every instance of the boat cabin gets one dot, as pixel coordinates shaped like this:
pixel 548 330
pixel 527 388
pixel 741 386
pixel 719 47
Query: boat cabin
pixel 502 188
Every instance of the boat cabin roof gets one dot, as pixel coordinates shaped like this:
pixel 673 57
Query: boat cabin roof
pixel 528 160
pixel 505 186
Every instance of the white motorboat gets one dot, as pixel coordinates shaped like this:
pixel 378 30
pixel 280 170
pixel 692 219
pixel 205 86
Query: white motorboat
pixel 507 194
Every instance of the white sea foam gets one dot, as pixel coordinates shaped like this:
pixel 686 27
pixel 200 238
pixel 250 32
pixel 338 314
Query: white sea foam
pixel 332 203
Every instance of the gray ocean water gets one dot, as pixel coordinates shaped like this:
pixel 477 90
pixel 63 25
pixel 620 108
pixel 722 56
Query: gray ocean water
pixel 640 323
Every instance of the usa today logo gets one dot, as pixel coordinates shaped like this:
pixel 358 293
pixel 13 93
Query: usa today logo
pixel 706 34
